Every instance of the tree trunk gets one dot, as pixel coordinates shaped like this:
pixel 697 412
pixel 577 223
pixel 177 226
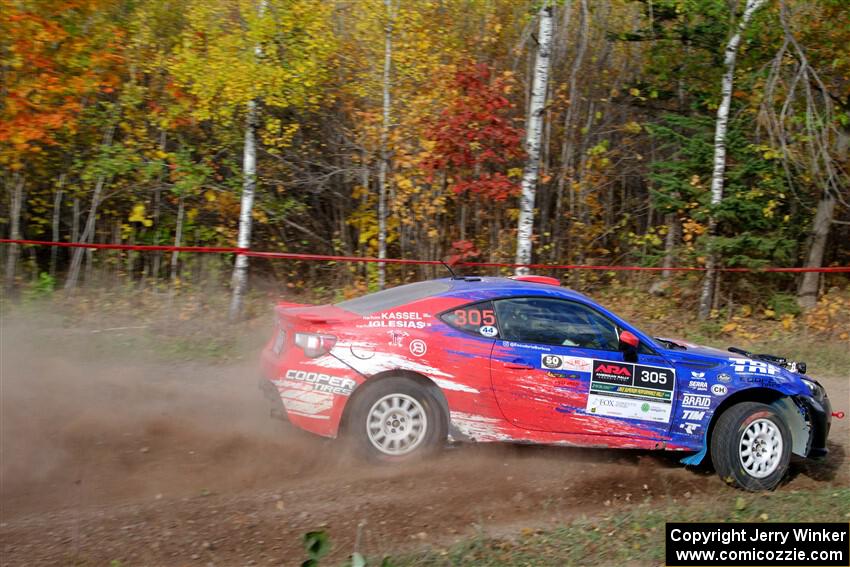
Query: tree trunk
pixel 249 184
pixel 384 165
pixel 807 295
pixel 88 234
pixel 536 107
pixel 178 239
pixel 14 230
pixel 57 214
pixel 720 152
pixel 239 281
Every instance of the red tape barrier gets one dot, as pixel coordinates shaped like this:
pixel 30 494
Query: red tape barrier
pixel 326 258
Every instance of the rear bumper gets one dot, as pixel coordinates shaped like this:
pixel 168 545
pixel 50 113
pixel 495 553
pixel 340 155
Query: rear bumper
pixel 276 408
pixel 820 419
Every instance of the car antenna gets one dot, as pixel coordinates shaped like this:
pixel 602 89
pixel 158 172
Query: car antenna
pixel 451 271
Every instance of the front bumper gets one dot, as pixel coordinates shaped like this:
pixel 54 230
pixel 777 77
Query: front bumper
pixel 819 416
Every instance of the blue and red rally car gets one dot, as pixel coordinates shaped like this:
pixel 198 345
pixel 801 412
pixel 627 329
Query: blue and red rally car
pixel 522 360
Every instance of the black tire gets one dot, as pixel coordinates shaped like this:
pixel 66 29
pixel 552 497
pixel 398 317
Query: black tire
pixel 756 462
pixel 363 425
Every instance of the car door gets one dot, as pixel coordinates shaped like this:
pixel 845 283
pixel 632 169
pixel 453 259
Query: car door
pixel 558 367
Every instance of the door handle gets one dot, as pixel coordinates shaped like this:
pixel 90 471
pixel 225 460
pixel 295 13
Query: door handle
pixel 518 364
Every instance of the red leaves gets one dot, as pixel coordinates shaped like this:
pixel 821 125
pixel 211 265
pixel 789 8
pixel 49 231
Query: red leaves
pixel 462 250
pixel 475 136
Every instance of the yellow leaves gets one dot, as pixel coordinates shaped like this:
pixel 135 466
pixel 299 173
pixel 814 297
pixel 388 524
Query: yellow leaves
pixel 515 172
pixel 769 313
pixel 138 215
pixel 632 127
pixel 729 327
pixel 746 311
pixel 210 195
pixel 787 321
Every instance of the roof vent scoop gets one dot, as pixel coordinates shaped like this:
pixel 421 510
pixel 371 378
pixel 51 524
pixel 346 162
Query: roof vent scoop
pixel 537 279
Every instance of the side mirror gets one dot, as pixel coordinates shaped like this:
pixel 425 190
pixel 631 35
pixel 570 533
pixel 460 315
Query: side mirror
pixel 628 341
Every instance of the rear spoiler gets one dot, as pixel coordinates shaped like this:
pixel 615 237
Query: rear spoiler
pixel 316 314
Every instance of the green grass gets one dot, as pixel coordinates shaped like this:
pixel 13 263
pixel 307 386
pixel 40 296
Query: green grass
pixel 633 537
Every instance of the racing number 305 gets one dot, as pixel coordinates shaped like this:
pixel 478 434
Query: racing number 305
pixel 653 377
pixel 475 317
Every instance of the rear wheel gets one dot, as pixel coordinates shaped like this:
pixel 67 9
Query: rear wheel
pixel 397 419
pixel 751 446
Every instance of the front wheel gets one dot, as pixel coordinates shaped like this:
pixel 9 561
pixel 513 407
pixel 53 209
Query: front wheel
pixel 751 446
pixel 397 419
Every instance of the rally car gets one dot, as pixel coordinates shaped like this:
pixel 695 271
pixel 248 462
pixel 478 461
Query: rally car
pixel 523 360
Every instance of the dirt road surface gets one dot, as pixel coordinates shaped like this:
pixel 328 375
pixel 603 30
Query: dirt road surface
pixel 111 455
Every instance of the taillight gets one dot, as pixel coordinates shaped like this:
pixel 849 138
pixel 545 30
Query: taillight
pixel 315 345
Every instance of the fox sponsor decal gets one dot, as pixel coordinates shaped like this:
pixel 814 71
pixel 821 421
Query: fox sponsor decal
pixel 696 401
pixel 574 363
pixel 628 408
pixel 322 382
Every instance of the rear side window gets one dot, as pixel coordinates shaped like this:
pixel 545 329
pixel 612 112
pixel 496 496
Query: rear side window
pixel 394 297
pixel 555 322
pixel 478 319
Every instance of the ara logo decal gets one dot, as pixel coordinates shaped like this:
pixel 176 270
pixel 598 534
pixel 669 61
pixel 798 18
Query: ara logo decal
pixel 418 347
pixel 719 390
pixel 689 427
pixel 693 414
pixel 613 369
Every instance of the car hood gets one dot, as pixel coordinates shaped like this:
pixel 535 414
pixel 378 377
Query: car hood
pixel 735 364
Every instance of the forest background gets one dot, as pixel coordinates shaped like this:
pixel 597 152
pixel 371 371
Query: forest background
pixel 398 128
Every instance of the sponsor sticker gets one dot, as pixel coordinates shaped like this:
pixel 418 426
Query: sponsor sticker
pixel 719 390
pixel 322 382
pixel 696 401
pixel 697 375
pixel 418 347
pixel 698 385
pixel 693 415
pixel 629 408
pixel 723 377
pixel 689 427
pixel 748 366
pixel 488 331
pixel 631 391
pixel 574 363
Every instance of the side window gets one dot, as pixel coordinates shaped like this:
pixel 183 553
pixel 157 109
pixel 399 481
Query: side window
pixel 478 319
pixel 555 322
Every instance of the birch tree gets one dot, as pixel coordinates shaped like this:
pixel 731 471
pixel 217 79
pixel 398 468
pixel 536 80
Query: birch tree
pixel 719 161
pixel 534 134
pixel 384 165
pixel 237 58
pixel 239 280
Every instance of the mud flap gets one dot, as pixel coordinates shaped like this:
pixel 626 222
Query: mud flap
pixel 797 424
